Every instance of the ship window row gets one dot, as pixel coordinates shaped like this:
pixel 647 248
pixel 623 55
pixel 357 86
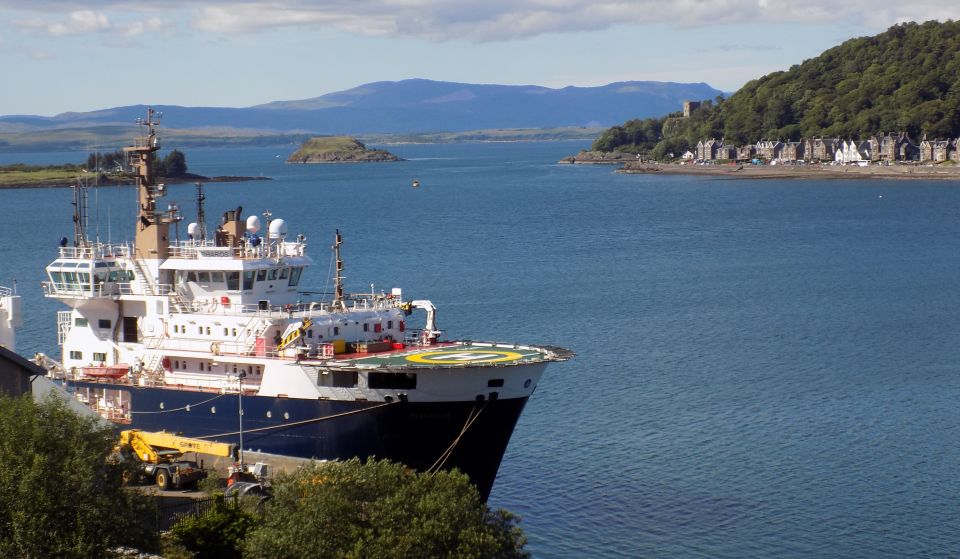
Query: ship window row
pixel 204 330
pixel 184 365
pixel 102 323
pixel 232 280
pixel 82 280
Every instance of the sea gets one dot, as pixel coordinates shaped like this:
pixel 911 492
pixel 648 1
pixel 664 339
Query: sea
pixel 765 368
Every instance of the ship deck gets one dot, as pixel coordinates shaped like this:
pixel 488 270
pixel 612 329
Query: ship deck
pixel 450 355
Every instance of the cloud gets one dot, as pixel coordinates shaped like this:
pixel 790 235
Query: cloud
pixel 473 20
pixel 77 23
pixel 149 25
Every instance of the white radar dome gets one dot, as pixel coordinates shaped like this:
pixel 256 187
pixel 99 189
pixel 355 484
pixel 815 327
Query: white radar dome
pixel 278 228
pixel 193 230
pixel 253 224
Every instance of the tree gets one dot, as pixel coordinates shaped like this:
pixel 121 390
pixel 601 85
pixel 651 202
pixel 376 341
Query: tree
pixel 58 495
pixel 349 510
pixel 174 164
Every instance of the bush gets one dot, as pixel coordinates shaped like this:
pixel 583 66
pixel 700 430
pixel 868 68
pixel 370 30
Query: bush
pixel 216 534
pixel 381 509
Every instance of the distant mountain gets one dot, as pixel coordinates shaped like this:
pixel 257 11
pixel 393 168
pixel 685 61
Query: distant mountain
pixel 403 107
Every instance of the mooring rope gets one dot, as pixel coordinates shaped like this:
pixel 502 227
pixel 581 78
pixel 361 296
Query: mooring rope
pixel 186 407
pixel 304 422
pixel 471 418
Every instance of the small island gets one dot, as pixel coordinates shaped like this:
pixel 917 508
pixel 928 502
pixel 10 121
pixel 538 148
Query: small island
pixel 338 149
pixel 103 169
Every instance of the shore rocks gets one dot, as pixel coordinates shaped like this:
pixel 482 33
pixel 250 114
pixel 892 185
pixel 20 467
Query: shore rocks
pixel 600 158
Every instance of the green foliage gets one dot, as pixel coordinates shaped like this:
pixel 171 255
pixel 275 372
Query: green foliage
pixel 174 164
pixel 58 496
pixel 349 510
pixel 24 168
pixel 905 79
pixel 107 162
pixel 216 534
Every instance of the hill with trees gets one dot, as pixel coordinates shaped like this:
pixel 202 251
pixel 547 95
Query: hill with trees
pixel 904 79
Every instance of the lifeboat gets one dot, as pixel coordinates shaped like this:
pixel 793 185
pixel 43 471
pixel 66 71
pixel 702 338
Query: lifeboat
pixel 105 371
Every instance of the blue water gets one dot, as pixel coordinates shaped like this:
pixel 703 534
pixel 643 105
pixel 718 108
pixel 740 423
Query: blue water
pixel 764 369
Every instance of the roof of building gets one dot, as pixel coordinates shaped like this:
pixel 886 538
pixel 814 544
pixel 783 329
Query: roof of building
pixel 21 361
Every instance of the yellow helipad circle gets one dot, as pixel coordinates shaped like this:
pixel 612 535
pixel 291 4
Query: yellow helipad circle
pixel 464 356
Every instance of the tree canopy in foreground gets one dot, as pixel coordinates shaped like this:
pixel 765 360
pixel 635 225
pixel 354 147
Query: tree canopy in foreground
pixel 381 509
pixel 58 496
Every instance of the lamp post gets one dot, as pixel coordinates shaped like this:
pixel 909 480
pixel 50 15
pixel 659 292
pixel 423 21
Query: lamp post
pixel 240 376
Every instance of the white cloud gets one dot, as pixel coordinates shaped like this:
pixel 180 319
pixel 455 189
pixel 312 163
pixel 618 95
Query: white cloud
pixel 473 20
pixel 78 22
pixel 149 25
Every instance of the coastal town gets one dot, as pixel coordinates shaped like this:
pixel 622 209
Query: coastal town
pixel 887 149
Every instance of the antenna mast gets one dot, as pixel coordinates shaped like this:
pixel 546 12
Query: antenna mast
pixel 200 217
pixel 338 302
pixel 153 225
pixel 80 219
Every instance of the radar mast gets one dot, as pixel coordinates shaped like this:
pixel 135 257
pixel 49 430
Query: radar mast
pixel 153 227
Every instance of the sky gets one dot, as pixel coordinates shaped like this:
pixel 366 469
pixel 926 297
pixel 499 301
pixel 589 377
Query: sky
pixel 80 55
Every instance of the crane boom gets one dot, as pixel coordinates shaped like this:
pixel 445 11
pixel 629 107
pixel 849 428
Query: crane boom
pixel 160 446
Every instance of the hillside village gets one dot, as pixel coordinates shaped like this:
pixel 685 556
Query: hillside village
pixel 887 149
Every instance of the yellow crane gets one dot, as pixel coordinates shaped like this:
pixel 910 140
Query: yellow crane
pixel 293 333
pixel 160 456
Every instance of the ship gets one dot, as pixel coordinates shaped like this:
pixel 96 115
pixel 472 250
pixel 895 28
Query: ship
pixel 210 336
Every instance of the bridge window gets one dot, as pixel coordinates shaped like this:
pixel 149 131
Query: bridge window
pixel 233 281
pixel 216 277
pixel 203 277
pixel 272 275
pixel 104 323
pixel 261 275
pixel 248 280
pixel 284 273
pixel 295 276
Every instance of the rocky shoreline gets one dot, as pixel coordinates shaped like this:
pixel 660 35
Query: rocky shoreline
pixel 886 172
pixel 586 157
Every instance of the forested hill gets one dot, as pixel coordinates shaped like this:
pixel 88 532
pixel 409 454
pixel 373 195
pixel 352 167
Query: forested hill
pixel 907 78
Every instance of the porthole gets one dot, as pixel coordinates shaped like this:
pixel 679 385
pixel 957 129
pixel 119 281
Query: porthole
pixel 527 383
pixel 213 409
pixel 269 414
pixel 187 407
pixel 286 415
pixel 161 405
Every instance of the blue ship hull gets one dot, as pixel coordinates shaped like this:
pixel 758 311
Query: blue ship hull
pixel 417 434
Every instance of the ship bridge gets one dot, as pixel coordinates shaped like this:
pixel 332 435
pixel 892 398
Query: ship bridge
pixel 91 271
